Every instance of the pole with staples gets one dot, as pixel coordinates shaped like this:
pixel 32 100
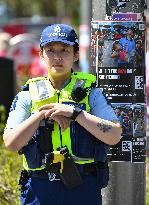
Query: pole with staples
pixel 127 180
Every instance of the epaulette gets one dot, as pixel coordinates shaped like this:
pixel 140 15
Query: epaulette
pixel 25 87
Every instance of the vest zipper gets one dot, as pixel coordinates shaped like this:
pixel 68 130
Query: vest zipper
pixel 58 95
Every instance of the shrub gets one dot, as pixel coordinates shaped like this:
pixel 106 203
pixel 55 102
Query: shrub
pixel 10 164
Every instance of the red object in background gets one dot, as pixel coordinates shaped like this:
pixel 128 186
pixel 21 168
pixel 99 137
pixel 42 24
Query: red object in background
pixel 24 54
pixel 14 29
pixel 117 36
pixel 121 70
pixel 3 53
pixel 123 55
pixel 37 68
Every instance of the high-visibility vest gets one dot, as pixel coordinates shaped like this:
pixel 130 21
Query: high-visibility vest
pixel 84 147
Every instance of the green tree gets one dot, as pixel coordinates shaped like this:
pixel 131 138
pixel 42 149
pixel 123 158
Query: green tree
pixel 57 8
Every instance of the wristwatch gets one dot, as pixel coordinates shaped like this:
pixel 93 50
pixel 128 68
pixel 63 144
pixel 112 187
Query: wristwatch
pixel 76 112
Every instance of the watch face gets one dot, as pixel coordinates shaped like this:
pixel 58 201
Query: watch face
pixel 77 109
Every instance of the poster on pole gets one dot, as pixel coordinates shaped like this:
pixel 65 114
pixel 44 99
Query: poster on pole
pixel 130 7
pixel 118 53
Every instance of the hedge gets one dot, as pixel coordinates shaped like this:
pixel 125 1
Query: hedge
pixel 10 165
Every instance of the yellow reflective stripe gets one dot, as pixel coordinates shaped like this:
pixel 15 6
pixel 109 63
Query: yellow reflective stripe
pixel 25 165
pixel 56 137
pixel 37 169
pixel 66 140
pixel 84 162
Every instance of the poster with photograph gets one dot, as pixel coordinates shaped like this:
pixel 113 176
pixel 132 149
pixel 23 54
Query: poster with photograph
pixel 117 44
pixel 125 6
pixel 132 144
pixel 118 58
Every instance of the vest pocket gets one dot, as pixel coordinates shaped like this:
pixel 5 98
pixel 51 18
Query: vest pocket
pixel 82 142
pixel 33 155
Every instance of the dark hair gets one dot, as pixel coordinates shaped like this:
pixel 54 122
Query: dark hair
pixel 76 48
pixel 139 41
pixel 132 29
pixel 115 43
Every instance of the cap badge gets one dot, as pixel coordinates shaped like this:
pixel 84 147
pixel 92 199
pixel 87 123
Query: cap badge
pixel 57 29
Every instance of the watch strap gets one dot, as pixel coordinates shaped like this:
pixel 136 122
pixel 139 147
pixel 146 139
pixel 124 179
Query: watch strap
pixel 76 112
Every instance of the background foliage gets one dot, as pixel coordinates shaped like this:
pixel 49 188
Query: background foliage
pixel 57 8
pixel 10 165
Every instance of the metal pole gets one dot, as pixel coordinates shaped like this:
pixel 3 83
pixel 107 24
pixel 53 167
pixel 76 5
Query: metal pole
pixel 126 185
pixel 97 54
pixel 86 9
pixel 127 180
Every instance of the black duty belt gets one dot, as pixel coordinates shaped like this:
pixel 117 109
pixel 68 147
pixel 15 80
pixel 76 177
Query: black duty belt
pixel 84 169
pixel 45 175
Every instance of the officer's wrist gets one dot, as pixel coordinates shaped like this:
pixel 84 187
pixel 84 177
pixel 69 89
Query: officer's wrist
pixel 76 112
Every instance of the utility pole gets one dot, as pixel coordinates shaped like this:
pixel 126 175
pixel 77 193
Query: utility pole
pixel 127 180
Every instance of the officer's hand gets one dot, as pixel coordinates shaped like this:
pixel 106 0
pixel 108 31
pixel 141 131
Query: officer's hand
pixel 57 109
pixel 64 122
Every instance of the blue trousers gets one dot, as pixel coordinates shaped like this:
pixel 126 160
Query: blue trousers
pixel 44 192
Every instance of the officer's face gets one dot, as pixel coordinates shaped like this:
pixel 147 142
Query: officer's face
pixel 59 58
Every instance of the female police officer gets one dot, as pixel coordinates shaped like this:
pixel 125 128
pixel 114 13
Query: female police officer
pixel 62 126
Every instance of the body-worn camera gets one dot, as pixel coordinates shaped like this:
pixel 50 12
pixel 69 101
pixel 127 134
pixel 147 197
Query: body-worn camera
pixel 60 162
pixel 78 94
pixel 78 91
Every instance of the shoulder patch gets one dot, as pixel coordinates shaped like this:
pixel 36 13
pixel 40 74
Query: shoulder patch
pixel 25 87
pixel 13 105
